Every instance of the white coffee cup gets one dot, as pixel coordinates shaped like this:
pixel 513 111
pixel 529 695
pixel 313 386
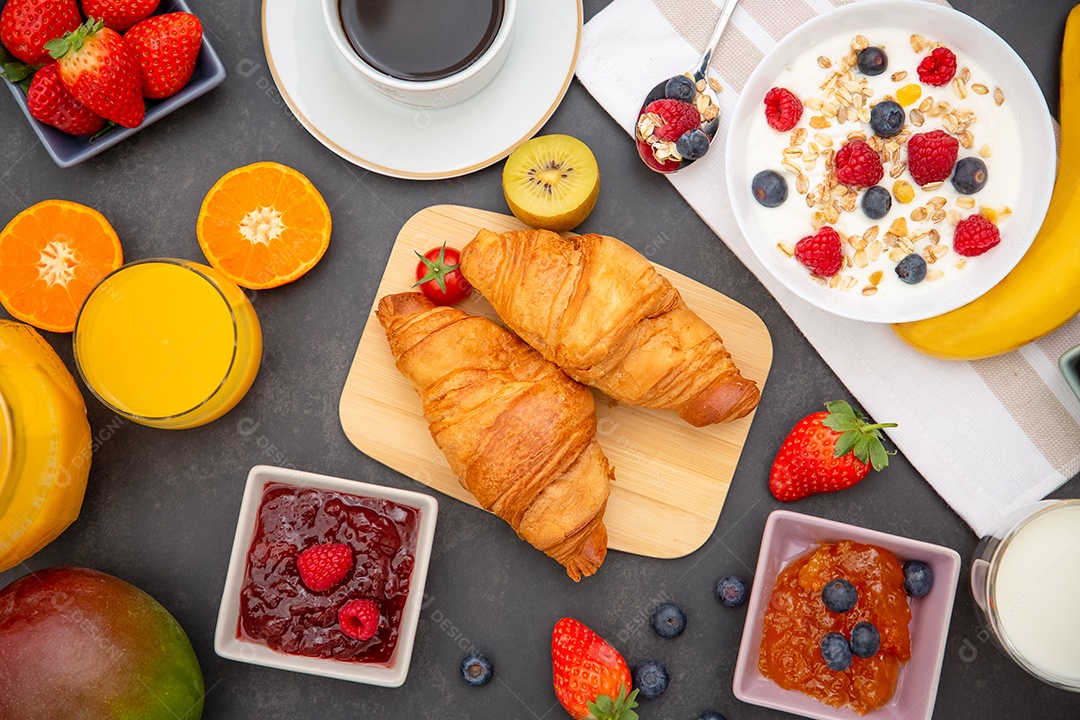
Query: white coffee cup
pixel 426 93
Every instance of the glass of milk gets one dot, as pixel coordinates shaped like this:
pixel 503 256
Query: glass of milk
pixel 1026 581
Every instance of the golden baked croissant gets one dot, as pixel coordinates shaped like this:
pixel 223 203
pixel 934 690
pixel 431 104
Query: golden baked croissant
pixel 516 430
pixel 599 310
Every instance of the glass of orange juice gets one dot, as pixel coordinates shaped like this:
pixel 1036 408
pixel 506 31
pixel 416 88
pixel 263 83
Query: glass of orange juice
pixel 168 343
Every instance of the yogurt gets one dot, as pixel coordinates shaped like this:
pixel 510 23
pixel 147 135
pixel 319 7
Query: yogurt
pixel 971 107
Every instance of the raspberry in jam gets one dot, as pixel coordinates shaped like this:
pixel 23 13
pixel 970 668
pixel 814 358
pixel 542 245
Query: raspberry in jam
pixel 797 620
pixel 277 610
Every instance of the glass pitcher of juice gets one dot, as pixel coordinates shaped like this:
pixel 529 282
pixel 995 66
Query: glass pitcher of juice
pixel 168 343
pixel 44 444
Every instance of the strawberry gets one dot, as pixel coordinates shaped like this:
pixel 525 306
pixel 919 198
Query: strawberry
pixel 167 47
pixel 826 452
pixel 359 619
pixel 592 680
pixel 119 15
pixel 26 25
pixel 101 71
pixel 324 566
pixel 51 103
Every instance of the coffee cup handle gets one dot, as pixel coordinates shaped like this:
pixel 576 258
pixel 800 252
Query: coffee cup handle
pixel 979 569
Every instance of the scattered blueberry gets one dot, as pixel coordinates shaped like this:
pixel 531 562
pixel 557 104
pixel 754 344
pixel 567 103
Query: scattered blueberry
pixel 876 202
pixel 711 715
pixel 873 61
pixel 912 270
pixel 770 188
pixel 969 176
pixel 839 595
pixel 865 640
pixel 650 678
pixel 692 144
pixel 680 87
pixel 732 591
pixel 918 578
pixel 668 620
pixel 887 118
pixel 836 652
pixel 476 669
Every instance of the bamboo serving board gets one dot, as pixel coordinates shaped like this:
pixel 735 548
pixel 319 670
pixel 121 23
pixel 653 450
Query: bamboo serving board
pixel 671 478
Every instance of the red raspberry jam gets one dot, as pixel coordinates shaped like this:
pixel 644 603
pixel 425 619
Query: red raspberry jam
pixel 797 619
pixel 277 610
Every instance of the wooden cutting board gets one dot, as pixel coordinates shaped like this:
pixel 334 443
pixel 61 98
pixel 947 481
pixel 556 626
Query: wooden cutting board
pixel 671 478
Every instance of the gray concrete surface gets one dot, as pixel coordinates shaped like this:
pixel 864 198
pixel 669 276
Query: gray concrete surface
pixel 161 506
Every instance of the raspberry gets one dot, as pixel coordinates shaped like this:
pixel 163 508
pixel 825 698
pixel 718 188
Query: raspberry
pixel 931 156
pixel 821 253
pixel 678 117
pixel 975 235
pixel 938 67
pixel 858 164
pixel 324 566
pixel 782 109
pixel 359 619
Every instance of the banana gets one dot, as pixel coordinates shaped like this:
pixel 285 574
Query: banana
pixel 1043 291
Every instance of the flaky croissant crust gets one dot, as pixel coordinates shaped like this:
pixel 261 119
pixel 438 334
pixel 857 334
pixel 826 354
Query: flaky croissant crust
pixel 599 310
pixel 517 432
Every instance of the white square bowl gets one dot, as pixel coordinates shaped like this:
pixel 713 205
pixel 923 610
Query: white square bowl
pixel 228 645
pixel 789 535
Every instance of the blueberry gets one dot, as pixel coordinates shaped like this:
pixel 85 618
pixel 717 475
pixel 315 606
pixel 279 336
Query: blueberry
pixel 668 620
pixel 865 640
pixel 969 176
pixel 692 144
pixel 680 87
pixel 839 595
pixel 476 669
pixel 711 715
pixel 731 591
pixel 887 118
pixel 918 578
pixel 873 61
pixel 836 652
pixel 770 188
pixel 650 678
pixel 876 202
pixel 912 270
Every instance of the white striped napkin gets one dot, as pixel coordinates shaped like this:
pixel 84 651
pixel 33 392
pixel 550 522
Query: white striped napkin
pixel 990 435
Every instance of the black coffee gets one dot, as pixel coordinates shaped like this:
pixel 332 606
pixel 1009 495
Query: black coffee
pixel 421 39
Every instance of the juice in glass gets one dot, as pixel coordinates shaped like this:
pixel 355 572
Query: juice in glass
pixel 168 343
pixel 45 444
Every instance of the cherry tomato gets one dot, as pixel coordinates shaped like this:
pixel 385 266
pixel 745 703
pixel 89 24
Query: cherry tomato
pixel 439 278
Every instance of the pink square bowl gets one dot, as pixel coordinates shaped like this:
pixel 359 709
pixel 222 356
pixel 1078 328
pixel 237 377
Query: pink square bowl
pixel 789 535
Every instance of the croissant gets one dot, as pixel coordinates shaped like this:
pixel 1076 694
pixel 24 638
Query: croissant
pixel 518 433
pixel 599 310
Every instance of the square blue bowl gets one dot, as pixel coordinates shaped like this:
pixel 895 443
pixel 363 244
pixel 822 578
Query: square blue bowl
pixel 68 150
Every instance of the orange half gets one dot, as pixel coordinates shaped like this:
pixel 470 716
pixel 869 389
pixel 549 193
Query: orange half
pixel 51 256
pixel 263 225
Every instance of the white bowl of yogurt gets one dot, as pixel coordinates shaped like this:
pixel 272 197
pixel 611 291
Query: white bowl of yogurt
pixel 1004 121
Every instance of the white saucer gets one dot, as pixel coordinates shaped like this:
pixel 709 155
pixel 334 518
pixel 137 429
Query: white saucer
pixel 365 128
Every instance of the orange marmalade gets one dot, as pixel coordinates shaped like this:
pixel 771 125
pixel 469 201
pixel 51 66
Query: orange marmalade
pixel 796 620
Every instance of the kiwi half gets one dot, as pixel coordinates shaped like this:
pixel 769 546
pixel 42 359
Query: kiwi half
pixel 551 182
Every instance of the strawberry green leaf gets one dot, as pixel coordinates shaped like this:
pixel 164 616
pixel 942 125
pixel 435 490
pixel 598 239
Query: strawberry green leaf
pixel 845 443
pixel 879 458
pixel 840 407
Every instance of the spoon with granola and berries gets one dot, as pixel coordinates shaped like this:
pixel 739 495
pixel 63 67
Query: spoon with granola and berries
pixel 680 116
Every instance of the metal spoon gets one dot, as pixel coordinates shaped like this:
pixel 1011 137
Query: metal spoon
pixel 658 154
